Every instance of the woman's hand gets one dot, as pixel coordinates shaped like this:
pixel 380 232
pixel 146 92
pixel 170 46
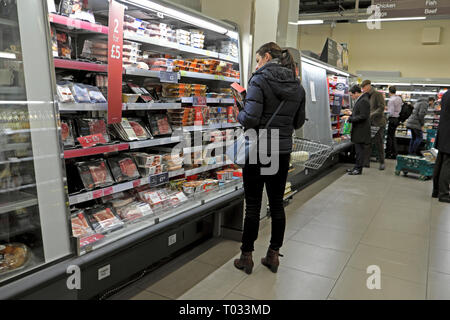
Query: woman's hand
pixel 345 118
pixel 348 112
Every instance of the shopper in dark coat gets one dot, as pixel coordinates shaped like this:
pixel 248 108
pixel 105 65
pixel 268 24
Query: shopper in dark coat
pixel 415 123
pixel 360 120
pixel 441 178
pixel 377 120
pixel 275 81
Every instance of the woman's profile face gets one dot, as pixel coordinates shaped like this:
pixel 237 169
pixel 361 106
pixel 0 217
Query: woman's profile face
pixel 261 61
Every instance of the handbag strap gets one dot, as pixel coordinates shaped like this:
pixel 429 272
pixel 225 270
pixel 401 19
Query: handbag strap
pixel 275 113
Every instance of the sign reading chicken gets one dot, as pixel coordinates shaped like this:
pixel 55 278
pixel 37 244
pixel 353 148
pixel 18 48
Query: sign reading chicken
pixel 115 46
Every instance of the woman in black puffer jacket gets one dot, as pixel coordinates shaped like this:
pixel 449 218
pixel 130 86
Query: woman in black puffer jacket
pixel 274 81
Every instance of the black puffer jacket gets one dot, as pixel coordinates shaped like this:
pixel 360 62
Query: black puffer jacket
pixel 443 136
pixel 268 87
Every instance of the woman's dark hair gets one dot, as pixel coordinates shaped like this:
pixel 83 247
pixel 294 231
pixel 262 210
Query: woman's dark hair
pixel 276 52
pixel 355 89
pixel 393 90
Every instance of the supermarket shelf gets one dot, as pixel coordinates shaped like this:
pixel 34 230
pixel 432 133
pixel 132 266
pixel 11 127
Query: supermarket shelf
pixel 76 153
pixel 209 100
pixel 141 72
pixel 230 125
pixel 207 146
pixel 14 146
pixel 205 76
pixel 12 90
pixel 154 142
pixel 176 173
pixel 79 65
pixel 83 106
pixel 77 24
pixel 195 171
pixel 17 160
pixel 152 106
pixel 228 58
pixel 27 186
pixel 201 128
pixel 17 200
pixel 7 22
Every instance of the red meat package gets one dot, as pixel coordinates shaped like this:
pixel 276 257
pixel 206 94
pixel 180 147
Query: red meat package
pixel 94 174
pixel 80 225
pixel 123 168
pixel 159 124
pixel 134 211
pixel 104 220
pixel 87 127
pixel 139 129
pixel 67 133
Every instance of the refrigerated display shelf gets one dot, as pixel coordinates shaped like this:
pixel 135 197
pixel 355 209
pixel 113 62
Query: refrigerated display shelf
pixel 11 90
pixel 74 107
pixel 203 127
pixel 152 106
pixel 17 200
pixel 76 153
pixel 207 146
pixel 80 65
pixel 7 22
pixel 205 76
pixel 14 146
pixel 189 100
pixel 141 72
pixel 67 107
pixel 154 142
pixel 176 173
pixel 33 185
pixel 77 24
pixel 18 160
pixel 210 167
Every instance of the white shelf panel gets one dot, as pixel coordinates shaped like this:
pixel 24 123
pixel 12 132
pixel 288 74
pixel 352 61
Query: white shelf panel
pixel 141 73
pixel 209 100
pixel 152 106
pixel 83 106
pixel 228 58
pixel 230 125
pixel 154 142
pixel 205 76
pixel 201 128
pixel 192 172
pixel 176 173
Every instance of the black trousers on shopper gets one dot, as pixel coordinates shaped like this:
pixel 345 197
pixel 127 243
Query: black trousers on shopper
pixel 416 142
pixel 360 152
pixel 391 143
pixel 253 186
pixel 378 142
pixel 441 175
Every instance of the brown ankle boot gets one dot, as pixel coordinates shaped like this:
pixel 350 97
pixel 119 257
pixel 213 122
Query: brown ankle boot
pixel 271 260
pixel 245 262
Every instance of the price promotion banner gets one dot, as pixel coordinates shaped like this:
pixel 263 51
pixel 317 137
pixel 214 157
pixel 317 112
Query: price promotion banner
pixel 115 47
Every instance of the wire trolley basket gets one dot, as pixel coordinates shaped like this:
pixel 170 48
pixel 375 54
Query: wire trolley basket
pixel 309 154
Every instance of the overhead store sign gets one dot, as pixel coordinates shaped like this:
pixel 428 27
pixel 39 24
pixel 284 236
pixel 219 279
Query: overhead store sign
pixel 115 47
pixel 412 8
pixel 335 54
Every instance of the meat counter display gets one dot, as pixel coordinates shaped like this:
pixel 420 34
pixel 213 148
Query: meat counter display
pixel 166 155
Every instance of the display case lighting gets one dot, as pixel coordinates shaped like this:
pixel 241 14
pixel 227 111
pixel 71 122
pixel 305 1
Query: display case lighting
pixel 418 92
pixel 393 19
pixel 391 84
pixel 201 23
pixel 431 84
pixel 306 22
pixel 306 60
pixel 8 55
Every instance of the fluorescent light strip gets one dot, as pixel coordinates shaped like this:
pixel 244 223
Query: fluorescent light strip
pixel 418 92
pixel 391 84
pixel 305 22
pixel 431 84
pixel 178 15
pixel 317 64
pixel 393 19
pixel 7 55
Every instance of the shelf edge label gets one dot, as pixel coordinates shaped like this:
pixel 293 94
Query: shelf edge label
pixel 115 65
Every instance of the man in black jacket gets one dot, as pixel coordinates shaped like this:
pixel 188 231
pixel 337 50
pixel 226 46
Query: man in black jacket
pixel 441 178
pixel 360 120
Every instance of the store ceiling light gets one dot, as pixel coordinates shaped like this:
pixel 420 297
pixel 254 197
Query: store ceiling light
pixel 318 64
pixel 305 22
pixel 431 84
pixel 393 19
pixel 8 55
pixel 153 6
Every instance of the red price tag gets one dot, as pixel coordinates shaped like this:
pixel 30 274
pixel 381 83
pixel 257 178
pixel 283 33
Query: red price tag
pixel 91 239
pixel 92 140
pixel 107 191
pixel 136 183
pixel 97 194
pixel 199 102
pixel 115 47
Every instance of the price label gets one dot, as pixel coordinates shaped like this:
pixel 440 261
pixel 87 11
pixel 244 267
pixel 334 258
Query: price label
pixel 136 183
pixel 108 191
pixel 92 140
pixel 84 197
pixel 97 194
pixel 91 239
pixel 199 102
pixel 159 179
pixel 168 77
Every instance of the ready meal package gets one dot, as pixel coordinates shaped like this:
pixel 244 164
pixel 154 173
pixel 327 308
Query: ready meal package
pixel 104 220
pixel 80 224
pixel 123 168
pixel 13 256
pixel 159 124
pixel 67 133
pixel 87 127
pixel 134 211
pixel 94 174
pixel 64 45
pixel 65 92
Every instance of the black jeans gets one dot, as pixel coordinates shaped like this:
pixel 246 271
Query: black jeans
pixel 378 142
pixel 441 175
pixel 416 141
pixel 360 151
pixel 391 143
pixel 254 185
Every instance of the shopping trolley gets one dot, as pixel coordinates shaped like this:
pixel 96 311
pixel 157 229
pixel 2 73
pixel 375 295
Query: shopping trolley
pixel 309 154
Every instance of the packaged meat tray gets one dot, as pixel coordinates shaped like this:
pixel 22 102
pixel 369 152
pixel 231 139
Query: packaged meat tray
pixel 95 94
pixel 80 93
pixel 139 129
pixel 124 130
pixel 87 127
pixel 159 124
pixel 104 220
pixel 80 224
pixel 13 256
pixel 64 92
pixel 67 133
pixel 94 174
pixel 123 168
pixel 134 211
pixel 147 160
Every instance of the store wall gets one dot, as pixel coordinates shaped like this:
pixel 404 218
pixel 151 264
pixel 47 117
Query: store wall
pixel 396 47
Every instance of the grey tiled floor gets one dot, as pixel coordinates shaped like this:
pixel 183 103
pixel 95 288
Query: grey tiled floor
pixel 336 228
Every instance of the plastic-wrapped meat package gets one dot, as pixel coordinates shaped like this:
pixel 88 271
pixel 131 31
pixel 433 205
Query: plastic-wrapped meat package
pixel 94 174
pixel 139 129
pixel 64 92
pixel 67 133
pixel 80 93
pixel 159 124
pixel 104 220
pixel 80 225
pixel 95 95
pixel 13 256
pixel 134 211
pixel 87 127
pixel 123 168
